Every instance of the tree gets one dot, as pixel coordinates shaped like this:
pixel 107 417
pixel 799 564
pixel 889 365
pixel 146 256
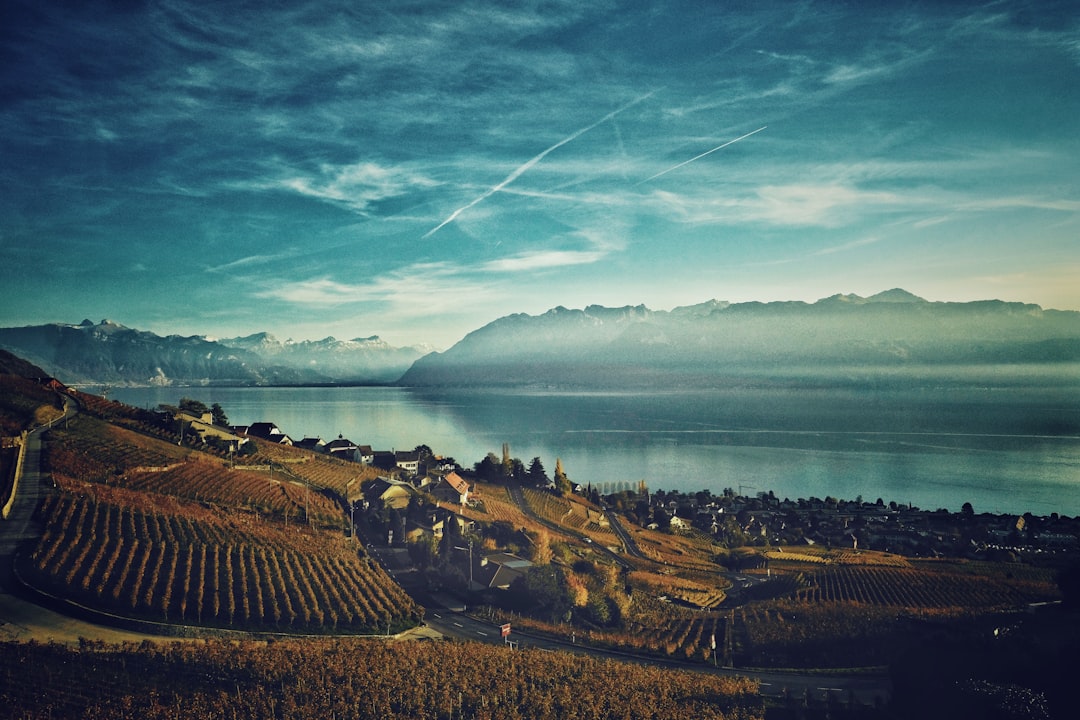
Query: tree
pixel 562 483
pixel 536 473
pixel 541 549
pixel 543 588
pixel 220 418
pixel 489 468
pixel 194 407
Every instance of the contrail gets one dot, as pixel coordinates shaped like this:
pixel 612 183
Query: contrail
pixel 521 169
pixel 707 152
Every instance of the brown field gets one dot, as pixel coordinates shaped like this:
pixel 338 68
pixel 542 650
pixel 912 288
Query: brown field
pixel 352 679
pixel 175 561
pixel 146 528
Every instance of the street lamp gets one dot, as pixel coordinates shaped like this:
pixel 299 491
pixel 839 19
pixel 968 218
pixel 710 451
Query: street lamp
pixel 458 547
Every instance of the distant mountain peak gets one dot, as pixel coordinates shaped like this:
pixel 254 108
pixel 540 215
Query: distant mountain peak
pixel 896 295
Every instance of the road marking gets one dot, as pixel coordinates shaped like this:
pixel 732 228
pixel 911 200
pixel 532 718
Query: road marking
pixel 436 615
pixel 457 624
pixel 481 632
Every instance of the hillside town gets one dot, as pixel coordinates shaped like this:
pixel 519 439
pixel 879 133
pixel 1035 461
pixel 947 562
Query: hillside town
pixel 732 519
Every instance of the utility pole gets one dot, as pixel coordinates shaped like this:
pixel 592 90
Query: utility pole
pixel 352 507
pixel 458 547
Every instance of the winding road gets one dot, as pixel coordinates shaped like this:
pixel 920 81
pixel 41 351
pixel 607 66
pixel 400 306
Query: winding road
pixel 23 620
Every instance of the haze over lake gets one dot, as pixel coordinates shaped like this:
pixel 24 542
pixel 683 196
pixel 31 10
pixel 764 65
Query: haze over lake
pixel 1004 449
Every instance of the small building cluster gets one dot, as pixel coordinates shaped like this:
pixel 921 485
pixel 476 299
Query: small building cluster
pixel 902 528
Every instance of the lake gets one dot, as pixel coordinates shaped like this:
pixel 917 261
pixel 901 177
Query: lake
pixel 1004 449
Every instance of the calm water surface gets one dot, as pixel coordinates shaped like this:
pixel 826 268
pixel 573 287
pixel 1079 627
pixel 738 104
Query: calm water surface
pixel 1003 450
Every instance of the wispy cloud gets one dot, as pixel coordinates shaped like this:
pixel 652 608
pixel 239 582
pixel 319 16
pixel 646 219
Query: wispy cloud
pixel 543 260
pixel 863 242
pixel 524 167
pixel 358 185
pixel 406 292
pixel 803 204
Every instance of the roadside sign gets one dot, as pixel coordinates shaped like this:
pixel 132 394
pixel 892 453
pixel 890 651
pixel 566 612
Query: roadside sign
pixel 506 630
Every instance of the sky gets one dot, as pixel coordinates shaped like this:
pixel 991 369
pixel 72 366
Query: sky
pixel 416 170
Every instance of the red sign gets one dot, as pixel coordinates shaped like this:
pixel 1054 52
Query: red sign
pixel 506 630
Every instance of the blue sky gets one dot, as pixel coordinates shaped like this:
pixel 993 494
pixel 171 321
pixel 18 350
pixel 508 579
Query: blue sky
pixel 417 169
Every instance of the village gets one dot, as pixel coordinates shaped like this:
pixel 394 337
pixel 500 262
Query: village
pixel 730 518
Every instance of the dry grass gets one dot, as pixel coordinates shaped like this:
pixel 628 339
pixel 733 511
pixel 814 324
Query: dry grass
pixel 677 587
pixel 818 555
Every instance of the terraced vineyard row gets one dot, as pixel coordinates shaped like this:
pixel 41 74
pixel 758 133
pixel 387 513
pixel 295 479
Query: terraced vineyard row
pixel 690 637
pixel 169 567
pixel 498 507
pixel 215 483
pixel 93 450
pixel 562 511
pixel 912 588
pixel 315 468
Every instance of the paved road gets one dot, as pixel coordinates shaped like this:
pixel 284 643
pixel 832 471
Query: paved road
pixel 449 617
pixel 620 532
pixel 866 689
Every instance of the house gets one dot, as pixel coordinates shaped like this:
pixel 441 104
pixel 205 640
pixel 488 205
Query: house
pixel 311 443
pixel 203 425
pixel 367 455
pixel 499 570
pixel 407 461
pixel 342 448
pixel 384 460
pixel 431 526
pixel 391 493
pixel 435 523
pixel 452 488
pixel 264 431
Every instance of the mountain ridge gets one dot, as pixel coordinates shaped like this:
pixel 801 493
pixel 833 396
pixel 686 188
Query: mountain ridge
pixel 110 353
pixel 599 347
pixel 716 342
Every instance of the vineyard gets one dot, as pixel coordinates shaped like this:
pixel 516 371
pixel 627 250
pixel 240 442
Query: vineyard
pixel 494 505
pixel 353 679
pixel 692 550
pixel 923 589
pixel 316 469
pixel 95 451
pixel 89 449
pixel 567 512
pixel 211 482
pixel 193 565
pixel 826 615
pixel 703 592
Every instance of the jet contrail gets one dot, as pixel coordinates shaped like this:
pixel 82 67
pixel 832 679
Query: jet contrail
pixel 521 169
pixel 707 152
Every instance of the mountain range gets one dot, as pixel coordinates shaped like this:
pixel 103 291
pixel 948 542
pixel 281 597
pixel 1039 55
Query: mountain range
pixel 889 335
pixel 109 353
pixel 892 335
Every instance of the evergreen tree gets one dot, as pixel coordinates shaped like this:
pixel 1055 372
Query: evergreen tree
pixel 537 474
